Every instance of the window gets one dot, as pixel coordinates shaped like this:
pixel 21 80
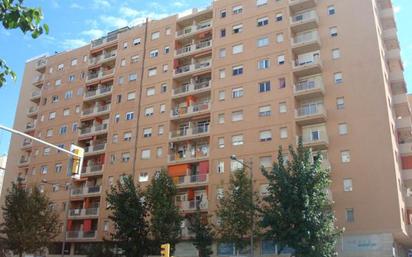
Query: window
pixel 72 77
pixel 282 83
pixel 221 142
pixel 163 88
pixel 237 140
pixel 265 111
pixel 66 112
pixel 338 78
pixel 55 187
pixel 165 67
pixel 152 72
pixel 168 31
pixel 160 130
pixel 58 167
pixel 222 53
pixel 237 49
pixel 147 132
pixel 125 45
pixel 143 177
pixel 63 130
pixel 145 154
pixel 264 86
pixel 49 133
pixel 220 193
pixel 154 53
pixel 237 92
pixel 79 91
pixel 46 151
pixel 262 21
pixel 155 35
pixel 127 136
pixel 279 17
pixel 116 117
pixel 58 82
pixel 283 107
pixel 137 41
pixel 221 95
pixel 134 59
pixel 343 128
pixel 263 64
pixel 237 70
pixel 261 42
pixel 44 169
pixel 55 99
pixel 333 31
pixel 347 185
pixel 331 10
pixel 223 13
pixel 236 165
pixel 60 67
pixel 150 91
pixel 283 133
pixel 265 162
pixel 221 118
pixel 119 99
pixel 223 33
pixel 52 115
pixel 131 96
pixel 159 152
pixel 112 159
pixel 162 108
pixel 133 77
pixel 129 115
pixel 123 62
pixel 237 28
pixel 345 156
pixel 265 136
pixel 74 127
pixel 68 94
pixel 222 73
pixel 148 111
pixel 340 103
pixel 220 166
pixel 281 59
pixel 238 9
pixel 237 116
pixel 335 53
pixel 125 157
pixel 350 215
pixel 115 138
pixel 279 38
pixel 121 80
pixel 261 2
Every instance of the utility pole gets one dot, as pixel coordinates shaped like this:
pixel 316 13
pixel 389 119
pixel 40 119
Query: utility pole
pixel 249 165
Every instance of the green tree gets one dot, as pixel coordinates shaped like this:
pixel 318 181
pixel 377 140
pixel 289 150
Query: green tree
pixel 29 221
pixel 129 213
pixel 165 220
pixel 104 249
pixel 236 211
pixel 13 15
pixel 297 212
pixel 203 234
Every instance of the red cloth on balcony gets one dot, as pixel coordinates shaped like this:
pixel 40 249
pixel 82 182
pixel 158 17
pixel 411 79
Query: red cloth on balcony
pixel 87 225
pixel 178 170
pixel 86 203
pixel 69 225
pixel 203 170
pixel 190 195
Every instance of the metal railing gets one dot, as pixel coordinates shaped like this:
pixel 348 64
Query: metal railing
pixel 192 179
pixel 194 47
pixel 84 212
pixel 309 84
pixel 94 129
pixel 192 205
pixel 104 40
pixel 85 190
pixel 195 108
pixel 186 132
pixel 302 63
pixel 95 148
pixel 92 169
pixel 96 109
pixel 188 155
pixel 306 37
pixel 303 17
pixel 99 91
pixel 35 94
pixel 33 110
pixel 81 234
pixel 100 74
pixel 187 88
pixel 310 110
pixel 194 28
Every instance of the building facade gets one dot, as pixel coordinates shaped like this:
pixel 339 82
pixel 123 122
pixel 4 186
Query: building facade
pixel 3 161
pixel 241 77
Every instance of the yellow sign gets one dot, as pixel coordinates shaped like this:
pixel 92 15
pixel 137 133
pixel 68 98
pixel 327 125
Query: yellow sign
pixel 165 250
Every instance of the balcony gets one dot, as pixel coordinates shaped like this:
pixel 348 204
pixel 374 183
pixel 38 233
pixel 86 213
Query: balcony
pixel 35 96
pixel 33 111
pixel 404 122
pixel 192 205
pixel 400 99
pixel 24 161
pixel 315 140
pixel 38 80
pixel 192 68
pixel 191 89
pixel 306 42
pixel 103 41
pixel 192 49
pixel 393 54
pixel 186 133
pixel 95 149
pixel 390 34
pixel 27 143
pixel 92 170
pixel 396 77
pixel 93 130
pixel 299 5
pixel 100 92
pixel 387 13
pixel 29 127
pixel 191 30
pixel 41 64
pixel 105 57
pixel 405 148
pixel 304 21
pixel 81 235
pixel 189 111
pixel 311 114
pixel 190 181
pixel 303 68
pixel 86 191
pixel 84 213
pixel 97 110
pixel 310 87
pixel 188 156
pixel 101 74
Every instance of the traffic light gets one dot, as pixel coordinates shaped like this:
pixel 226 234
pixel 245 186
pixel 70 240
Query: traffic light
pixel 75 162
pixel 165 250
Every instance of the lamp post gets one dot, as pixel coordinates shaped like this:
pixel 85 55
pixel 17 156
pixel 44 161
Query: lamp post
pixel 249 165
pixel 66 215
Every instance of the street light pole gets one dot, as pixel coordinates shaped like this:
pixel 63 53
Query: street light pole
pixel 249 165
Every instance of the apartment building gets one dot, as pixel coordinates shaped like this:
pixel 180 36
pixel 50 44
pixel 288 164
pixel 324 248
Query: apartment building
pixel 240 77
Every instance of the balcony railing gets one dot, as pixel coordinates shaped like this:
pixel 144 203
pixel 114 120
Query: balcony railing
pixel 192 180
pixel 100 74
pixel 193 48
pixel 40 64
pixel 95 148
pixel 192 109
pixel 85 191
pixel 187 132
pixel 306 42
pixel 81 235
pixel 33 110
pixel 298 5
pixel 194 28
pixel 27 142
pixel 189 88
pixel 308 86
pixel 104 40
pixel 92 169
pixel 94 129
pixel 30 126
pixel 188 156
pixel 82 213
pixel 304 21
pixel 102 57
pixel 24 160
pixel 192 205
pixel 311 110
pixel 315 138
pixel 38 79
pixel 96 110
pixel 193 67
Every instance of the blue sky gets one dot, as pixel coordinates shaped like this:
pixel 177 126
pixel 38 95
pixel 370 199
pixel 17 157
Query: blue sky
pixel 74 23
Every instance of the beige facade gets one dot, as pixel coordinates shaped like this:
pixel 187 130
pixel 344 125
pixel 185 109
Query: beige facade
pixel 241 77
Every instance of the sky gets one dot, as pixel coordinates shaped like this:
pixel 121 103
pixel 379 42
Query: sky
pixel 74 23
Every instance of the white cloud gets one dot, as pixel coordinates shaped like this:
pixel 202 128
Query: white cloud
pixel 114 22
pixel 73 43
pixel 396 9
pixel 76 6
pixel 178 4
pixel 93 33
pixel 100 4
pixel 128 12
